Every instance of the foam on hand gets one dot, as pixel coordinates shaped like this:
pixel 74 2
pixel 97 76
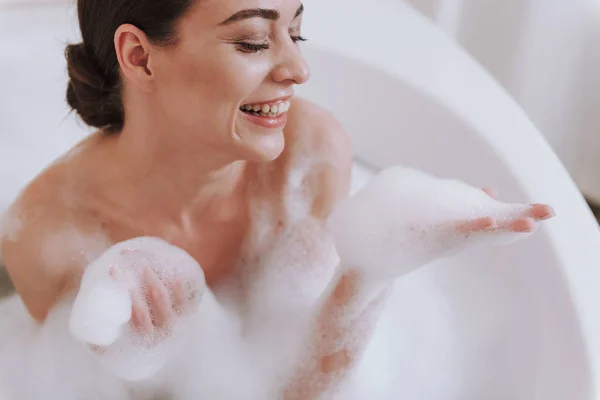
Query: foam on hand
pixel 103 307
pixel 203 355
pixel 405 218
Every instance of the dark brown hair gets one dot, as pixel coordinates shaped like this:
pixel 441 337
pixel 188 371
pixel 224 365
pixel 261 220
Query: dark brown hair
pixel 94 89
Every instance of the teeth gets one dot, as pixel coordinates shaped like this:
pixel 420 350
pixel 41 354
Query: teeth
pixel 268 110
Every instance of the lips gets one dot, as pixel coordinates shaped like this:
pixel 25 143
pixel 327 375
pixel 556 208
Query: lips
pixel 268 115
pixel 267 122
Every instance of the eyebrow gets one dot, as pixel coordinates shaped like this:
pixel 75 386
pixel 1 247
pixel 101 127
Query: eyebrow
pixel 272 15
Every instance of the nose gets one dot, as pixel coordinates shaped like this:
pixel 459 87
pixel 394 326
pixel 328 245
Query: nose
pixel 291 66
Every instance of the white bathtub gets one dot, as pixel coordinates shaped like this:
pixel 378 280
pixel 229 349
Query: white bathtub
pixel 516 323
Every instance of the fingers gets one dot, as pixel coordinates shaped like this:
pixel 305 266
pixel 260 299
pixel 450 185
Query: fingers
pixel 159 308
pixel 155 303
pixel 541 212
pixel 178 296
pixel 141 318
pixel 523 225
pixel 489 224
pixel 140 313
pixel 159 300
pixel 477 225
pixel 528 223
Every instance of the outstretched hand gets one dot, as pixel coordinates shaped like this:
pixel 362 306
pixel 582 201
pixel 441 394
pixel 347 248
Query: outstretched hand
pixel 527 222
pixel 404 219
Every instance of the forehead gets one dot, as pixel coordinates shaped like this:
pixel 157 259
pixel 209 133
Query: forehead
pixel 213 12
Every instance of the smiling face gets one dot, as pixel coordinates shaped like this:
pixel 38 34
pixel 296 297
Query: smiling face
pixel 228 81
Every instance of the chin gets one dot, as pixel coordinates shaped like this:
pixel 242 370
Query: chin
pixel 263 141
pixel 264 148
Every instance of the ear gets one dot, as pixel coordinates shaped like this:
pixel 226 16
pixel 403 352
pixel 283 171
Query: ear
pixel 133 52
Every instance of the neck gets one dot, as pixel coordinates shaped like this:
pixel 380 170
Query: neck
pixel 181 179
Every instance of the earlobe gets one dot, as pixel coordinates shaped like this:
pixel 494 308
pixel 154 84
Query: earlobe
pixel 133 53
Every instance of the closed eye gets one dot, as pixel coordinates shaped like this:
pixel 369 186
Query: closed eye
pixel 252 47
pixel 257 48
pixel 297 39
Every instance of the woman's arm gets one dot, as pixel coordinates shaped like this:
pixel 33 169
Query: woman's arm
pixel 404 240
pixel 343 328
pixel 39 263
pixel 46 251
pixel 43 241
pixel 350 307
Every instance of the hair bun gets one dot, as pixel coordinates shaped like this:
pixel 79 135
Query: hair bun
pixel 92 93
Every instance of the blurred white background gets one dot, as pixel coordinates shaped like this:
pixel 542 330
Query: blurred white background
pixel 546 53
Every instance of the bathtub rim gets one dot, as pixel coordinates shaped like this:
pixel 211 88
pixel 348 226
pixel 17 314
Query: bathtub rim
pixel 506 125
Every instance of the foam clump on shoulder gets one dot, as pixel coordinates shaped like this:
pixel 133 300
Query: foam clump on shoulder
pixel 102 310
pixel 405 218
pixel 10 225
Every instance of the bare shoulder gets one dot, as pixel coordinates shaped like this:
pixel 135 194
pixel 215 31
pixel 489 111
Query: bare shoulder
pixel 312 127
pixel 316 138
pixel 37 206
pixel 40 241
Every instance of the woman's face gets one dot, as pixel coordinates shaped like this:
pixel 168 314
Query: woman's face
pixel 228 81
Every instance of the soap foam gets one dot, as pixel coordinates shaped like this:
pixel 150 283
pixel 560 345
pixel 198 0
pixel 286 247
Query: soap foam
pixel 405 219
pixel 47 363
pixel 294 273
pixel 10 225
pixel 203 356
pixel 401 220
pixel 103 306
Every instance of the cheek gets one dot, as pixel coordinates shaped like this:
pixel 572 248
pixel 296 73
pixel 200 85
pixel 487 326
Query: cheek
pixel 232 78
pixel 213 81
pixel 182 80
pixel 174 90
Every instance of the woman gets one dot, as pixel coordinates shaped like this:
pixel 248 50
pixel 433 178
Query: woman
pixel 200 142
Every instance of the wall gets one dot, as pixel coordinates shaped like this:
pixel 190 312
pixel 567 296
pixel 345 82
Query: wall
pixel 546 54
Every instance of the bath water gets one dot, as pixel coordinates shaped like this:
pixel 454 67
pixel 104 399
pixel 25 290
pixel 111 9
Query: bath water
pixel 402 220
